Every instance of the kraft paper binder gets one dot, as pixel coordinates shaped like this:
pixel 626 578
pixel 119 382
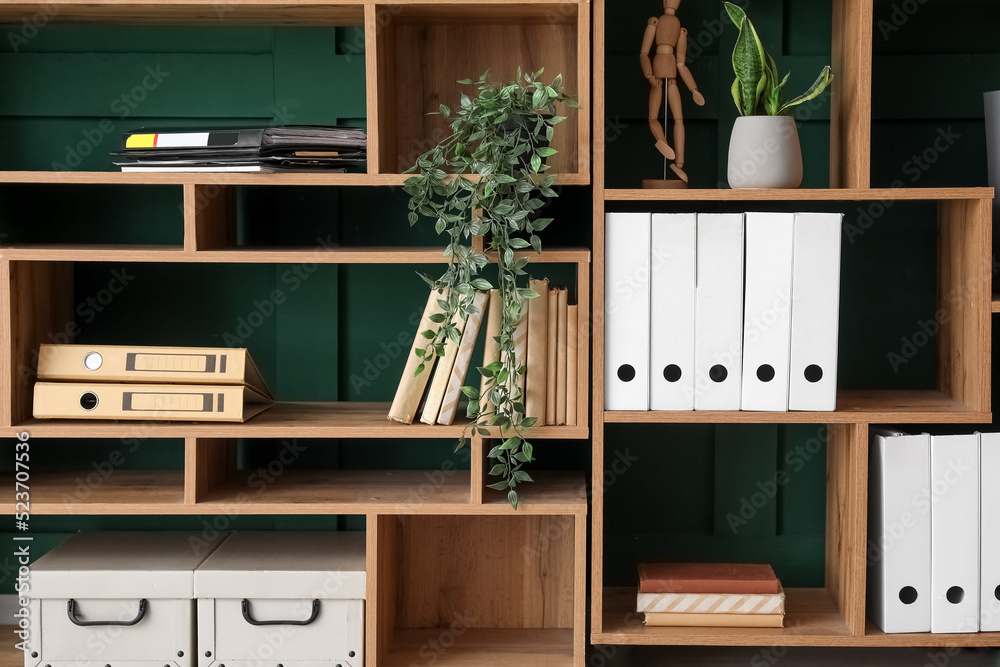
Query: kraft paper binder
pixel 412 385
pixel 899 531
pixel 815 312
pixel 671 311
pixel 626 304
pixel 167 402
pixel 453 393
pixel 954 491
pixel 442 375
pixel 718 348
pixel 989 616
pixel 538 342
pixel 133 363
pixel 767 311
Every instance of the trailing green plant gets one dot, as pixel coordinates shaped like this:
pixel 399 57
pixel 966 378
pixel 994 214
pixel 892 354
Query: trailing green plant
pixel 485 179
pixel 758 89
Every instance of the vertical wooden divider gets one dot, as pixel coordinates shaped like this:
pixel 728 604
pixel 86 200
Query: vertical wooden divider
pixel 477 470
pixel 372 85
pixel 597 321
pixel 847 521
pixel 382 582
pixel 209 216
pixel 580 591
pixel 850 111
pixel 583 95
pixel 40 310
pixel 965 299
pixel 208 463
pixel 583 342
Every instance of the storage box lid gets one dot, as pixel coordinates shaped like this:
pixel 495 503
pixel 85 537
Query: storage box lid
pixel 110 565
pixel 285 565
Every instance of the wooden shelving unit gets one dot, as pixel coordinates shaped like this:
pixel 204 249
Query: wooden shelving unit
pixel 515 578
pixel 835 614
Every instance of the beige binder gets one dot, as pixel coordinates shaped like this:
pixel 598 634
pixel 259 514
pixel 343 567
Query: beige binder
pixel 129 363
pixel 168 402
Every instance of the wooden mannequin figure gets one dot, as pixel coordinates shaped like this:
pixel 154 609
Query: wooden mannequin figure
pixel 661 71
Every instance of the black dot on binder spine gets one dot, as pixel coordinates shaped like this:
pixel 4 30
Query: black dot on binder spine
pixel 718 373
pixel 765 372
pixel 955 594
pixel 813 373
pixel 88 401
pixel 626 373
pixel 908 595
pixel 996 592
pixel 672 373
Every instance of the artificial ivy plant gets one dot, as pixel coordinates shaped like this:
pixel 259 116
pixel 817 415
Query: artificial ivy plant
pixel 485 179
pixel 758 89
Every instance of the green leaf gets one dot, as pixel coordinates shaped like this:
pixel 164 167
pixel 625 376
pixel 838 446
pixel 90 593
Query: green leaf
pixel 497 469
pixel 748 60
pixel 420 352
pixel 420 369
pixel 445 111
pixel 437 318
pixel 518 243
pixel 465 82
pixel 522 476
pixel 499 486
pixel 510 443
pixel 546 151
pixel 429 335
pixel 536 163
pixel 512 498
pixel 528 450
pixel 557 81
pixel 471 392
pixel 481 284
pixel 824 79
pixel 496 367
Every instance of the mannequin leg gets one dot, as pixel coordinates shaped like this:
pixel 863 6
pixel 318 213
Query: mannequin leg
pixel 655 104
pixel 674 103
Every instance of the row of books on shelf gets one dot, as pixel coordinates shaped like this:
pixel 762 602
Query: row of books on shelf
pixel 136 382
pixel 934 532
pixel 722 311
pixel 545 339
pixel 710 595
pixel 258 149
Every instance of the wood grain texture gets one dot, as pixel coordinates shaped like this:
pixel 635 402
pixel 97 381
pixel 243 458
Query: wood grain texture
pixel 179 178
pixel 509 572
pixel 477 468
pixel 836 194
pixel 384 578
pixel 580 592
pixel 208 463
pixel 39 309
pixel 853 407
pixel 159 492
pixel 262 12
pixel 209 217
pixel 965 301
pixel 299 420
pixel 257 255
pixel 476 647
pixel 851 107
pixel 372 90
pixel 846 521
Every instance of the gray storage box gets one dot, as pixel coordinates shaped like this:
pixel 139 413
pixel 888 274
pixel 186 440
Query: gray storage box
pixel 295 599
pixel 116 599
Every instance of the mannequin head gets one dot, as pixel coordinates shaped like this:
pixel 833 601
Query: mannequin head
pixel 670 6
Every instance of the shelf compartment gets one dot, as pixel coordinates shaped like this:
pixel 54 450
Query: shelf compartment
pixel 803 512
pixel 123 492
pixel 502 587
pixel 423 49
pixel 225 179
pixel 801 194
pixel 299 420
pixel 811 619
pixel 909 407
pixel 477 646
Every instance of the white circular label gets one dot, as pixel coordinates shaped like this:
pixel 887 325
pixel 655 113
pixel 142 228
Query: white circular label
pixel 93 361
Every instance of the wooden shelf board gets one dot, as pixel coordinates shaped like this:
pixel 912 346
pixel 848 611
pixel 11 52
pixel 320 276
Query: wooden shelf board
pixel 875 637
pixel 833 194
pixel 475 647
pixel 298 420
pixel 812 619
pixel 159 492
pixel 265 12
pixel 255 255
pixel 996 303
pixel 910 407
pixel 182 178
pixel 9 655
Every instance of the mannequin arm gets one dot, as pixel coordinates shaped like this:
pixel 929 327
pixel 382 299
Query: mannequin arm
pixel 647 44
pixel 683 70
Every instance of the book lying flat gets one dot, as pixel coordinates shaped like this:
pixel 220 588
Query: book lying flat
pixel 711 603
pixel 667 619
pixel 707 578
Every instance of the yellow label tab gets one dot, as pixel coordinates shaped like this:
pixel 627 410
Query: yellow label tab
pixel 141 141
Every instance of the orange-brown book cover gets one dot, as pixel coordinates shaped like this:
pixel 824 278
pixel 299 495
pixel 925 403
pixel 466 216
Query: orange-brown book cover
pixel 671 619
pixel 707 578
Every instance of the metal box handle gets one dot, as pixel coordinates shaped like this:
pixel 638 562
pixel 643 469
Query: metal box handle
pixel 71 612
pixel 252 621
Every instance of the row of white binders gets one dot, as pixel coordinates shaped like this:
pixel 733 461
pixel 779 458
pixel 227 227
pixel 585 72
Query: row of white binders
pixel 934 532
pixel 722 311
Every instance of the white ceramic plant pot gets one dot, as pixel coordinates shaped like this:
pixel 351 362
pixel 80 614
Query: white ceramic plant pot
pixel 764 152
